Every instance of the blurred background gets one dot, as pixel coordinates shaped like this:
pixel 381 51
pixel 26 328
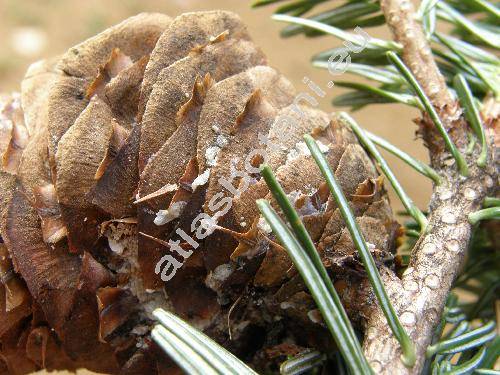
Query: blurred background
pixel 35 29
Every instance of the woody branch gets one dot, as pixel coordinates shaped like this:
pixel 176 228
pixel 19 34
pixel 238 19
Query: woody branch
pixel 420 295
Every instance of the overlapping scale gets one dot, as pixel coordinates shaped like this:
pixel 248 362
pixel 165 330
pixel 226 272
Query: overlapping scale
pixel 117 148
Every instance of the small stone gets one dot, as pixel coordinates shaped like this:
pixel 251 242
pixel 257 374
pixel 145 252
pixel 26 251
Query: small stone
pixel 223 271
pixel 264 226
pixel 166 216
pixel 431 281
pixel 408 318
pixel 211 154
pixel 116 246
pixel 221 141
pixel 201 180
pixel 140 330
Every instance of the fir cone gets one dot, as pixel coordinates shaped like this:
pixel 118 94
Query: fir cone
pixel 133 159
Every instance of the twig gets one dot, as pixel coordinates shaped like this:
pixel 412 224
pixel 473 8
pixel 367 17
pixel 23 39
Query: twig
pixel 400 16
pixel 429 108
pixel 436 258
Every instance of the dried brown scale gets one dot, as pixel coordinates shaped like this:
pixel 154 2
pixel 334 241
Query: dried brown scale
pixel 19 138
pixel 45 270
pixel 135 37
pixel 221 58
pixel 53 227
pixel 116 142
pixel 256 118
pixel 177 151
pixel 295 124
pixel 177 156
pixel 122 92
pixel 114 191
pixel 138 124
pixel 186 32
pixel 116 63
pixel 16 304
pixel 34 92
pixel 80 152
pixel 32 169
pixel 227 100
pixel 189 34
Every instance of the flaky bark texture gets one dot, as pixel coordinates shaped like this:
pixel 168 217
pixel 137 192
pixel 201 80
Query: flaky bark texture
pixel 122 142
pixel 420 295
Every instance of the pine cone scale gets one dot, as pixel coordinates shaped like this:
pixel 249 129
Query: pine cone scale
pixel 127 141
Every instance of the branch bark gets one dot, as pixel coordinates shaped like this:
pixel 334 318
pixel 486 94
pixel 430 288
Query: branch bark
pixel 417 55
pixel 420 295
